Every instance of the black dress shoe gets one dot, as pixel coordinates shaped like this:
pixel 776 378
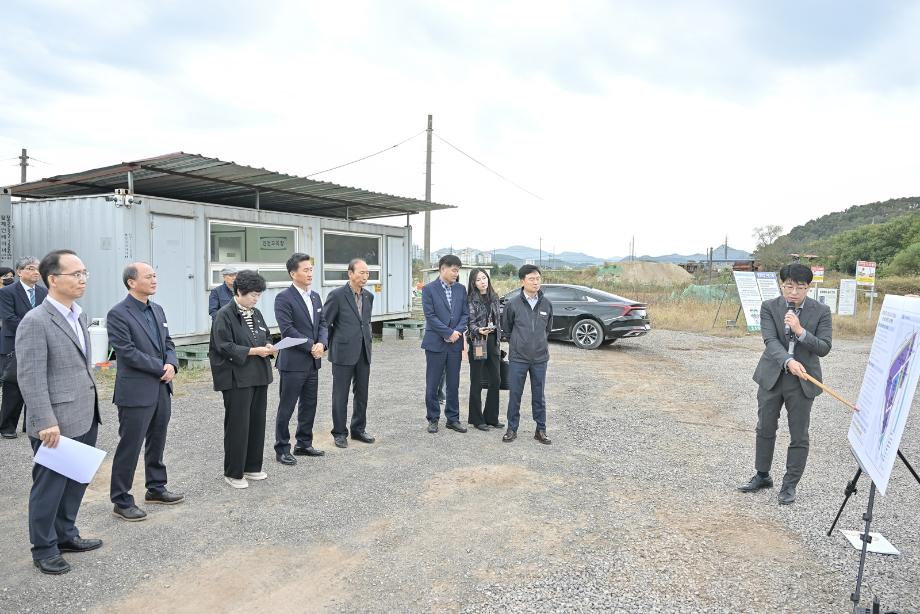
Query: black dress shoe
pixel 341 441
pixel 542 438
pixel 78 544
pixel 286 459
pixel 482 427
pixel 432 426
pixel 786 495
pixel 164 497
pixel 53 565
pixel 756 483
pixel 12 435
pixel 509 436
pixel 456 426
pixel 131 514
pixel 498 425
pixel 308 451
pixel 363 436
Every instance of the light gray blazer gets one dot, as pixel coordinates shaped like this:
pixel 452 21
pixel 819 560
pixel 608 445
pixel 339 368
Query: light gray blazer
pixel 55 376
pixel 815 318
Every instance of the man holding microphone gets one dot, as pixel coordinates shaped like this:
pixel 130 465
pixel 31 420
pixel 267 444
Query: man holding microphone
pixel 796 333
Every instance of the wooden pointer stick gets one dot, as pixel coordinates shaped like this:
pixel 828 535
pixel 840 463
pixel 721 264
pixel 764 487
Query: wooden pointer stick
pixel 830 392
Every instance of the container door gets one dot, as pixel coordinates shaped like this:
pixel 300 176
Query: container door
pixel 172 254
pixel 397 287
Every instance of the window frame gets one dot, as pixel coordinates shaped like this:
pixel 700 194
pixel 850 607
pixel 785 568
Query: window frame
pixel 213 268
pixel 375 269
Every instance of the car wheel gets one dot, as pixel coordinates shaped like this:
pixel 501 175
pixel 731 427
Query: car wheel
pixel 587 334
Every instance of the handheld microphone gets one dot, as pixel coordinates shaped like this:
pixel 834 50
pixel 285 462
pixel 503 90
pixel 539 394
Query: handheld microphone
pixel 791 309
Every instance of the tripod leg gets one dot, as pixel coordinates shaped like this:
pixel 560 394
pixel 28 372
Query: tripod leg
pixel 862 556
pixel 909 468
pixel 847 492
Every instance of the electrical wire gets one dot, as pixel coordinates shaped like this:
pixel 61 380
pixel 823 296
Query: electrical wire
pixel 483 165
pixel 377 153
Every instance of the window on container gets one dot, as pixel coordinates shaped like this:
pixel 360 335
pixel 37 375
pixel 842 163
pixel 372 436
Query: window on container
pixel 255 247
pixel 340 248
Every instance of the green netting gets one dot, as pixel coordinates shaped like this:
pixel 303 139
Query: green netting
pixel 715 292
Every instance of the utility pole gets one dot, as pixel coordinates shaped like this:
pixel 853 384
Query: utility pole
pixel 726 247
pixel 428 197
pixel 23 163
pixel 541 253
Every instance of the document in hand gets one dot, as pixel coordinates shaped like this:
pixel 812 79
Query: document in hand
pixel 72 459
pixel 288 342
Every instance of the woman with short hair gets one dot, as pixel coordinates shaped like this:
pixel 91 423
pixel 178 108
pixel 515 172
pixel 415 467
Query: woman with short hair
pixel 240 353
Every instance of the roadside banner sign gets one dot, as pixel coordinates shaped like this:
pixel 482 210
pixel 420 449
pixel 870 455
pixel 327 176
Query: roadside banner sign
pixel 828 296
pixel 766 283
pixel 754 289
pixel 865 273
pixel 817 274
pixel 847 304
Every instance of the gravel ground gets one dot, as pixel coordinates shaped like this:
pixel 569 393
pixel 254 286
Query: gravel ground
pixel 632 509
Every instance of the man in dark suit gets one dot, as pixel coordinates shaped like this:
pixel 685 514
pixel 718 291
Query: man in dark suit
pixel 16 300
pixel 222 294
pixel 299 313
pixel 446 316
pixel 797 332
pixel 145 356
pixel 56 378
pixel 348 316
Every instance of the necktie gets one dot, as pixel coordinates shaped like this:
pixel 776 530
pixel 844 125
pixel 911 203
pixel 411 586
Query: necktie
pixel 359 301
pixel 32 296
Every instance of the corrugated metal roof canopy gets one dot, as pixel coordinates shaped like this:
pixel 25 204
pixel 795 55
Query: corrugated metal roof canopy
pixel 197 178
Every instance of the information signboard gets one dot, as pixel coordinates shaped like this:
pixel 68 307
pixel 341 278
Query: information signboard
pixel 865 273
pixel 847 303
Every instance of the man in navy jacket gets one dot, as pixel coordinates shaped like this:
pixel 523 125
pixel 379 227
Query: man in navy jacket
pixel 16 300
pixel 222 294
pixel 446 316
pixel 299 313
pixel 146 361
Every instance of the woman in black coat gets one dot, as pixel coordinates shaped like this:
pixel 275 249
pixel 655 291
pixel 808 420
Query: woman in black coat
pixel 484 330
pixel 242 370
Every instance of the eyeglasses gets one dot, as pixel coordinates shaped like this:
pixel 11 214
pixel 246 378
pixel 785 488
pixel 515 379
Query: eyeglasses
pixel 795 287
pixel 78 275
pixel 34 269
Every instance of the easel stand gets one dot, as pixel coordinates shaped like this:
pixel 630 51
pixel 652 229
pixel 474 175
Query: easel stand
pixel 865 537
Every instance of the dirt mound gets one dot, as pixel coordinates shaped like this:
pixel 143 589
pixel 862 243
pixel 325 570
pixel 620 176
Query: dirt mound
pixel 657 273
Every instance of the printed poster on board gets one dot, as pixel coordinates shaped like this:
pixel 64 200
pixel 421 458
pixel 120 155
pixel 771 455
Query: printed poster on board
pixel 847 303
pixel 749 294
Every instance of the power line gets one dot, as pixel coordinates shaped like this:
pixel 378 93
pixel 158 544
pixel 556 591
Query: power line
pixel 493 171
pixel 377 153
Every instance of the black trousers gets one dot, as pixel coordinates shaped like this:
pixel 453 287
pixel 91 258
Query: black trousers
pixel 492 368
pixel 345 377
pixel 297 388
pixel 244 430
pixel 54 503
pixel 141 426
pixel 10 408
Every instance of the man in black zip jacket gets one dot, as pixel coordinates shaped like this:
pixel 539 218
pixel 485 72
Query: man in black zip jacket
pixel 527 321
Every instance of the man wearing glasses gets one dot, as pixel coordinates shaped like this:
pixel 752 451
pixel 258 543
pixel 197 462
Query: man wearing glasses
pixel 796 332
pixel 56 379
pixel 16 300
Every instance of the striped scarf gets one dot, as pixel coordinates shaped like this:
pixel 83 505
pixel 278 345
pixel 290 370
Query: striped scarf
pixel 247 315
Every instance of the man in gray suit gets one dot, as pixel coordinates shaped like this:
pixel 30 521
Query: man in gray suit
pixel 796 331
pixel 57 383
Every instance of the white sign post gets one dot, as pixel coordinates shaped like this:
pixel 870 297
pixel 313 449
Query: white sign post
pixel 888 388
pixel 828 296
pixel 865 276
pixel 847 306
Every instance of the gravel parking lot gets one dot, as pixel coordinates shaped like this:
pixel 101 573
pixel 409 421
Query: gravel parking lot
pixel 632 509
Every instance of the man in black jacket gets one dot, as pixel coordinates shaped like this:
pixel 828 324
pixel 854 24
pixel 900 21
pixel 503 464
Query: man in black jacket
pixel 16 300
pixel 146 362
pixel 527 321
pixel 348 316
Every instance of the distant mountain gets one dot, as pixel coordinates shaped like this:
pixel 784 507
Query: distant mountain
pixel 853 217
pixel 719 253
pixel 519 254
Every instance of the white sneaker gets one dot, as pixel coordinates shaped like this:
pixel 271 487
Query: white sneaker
pixel 236 482
pixel 259 475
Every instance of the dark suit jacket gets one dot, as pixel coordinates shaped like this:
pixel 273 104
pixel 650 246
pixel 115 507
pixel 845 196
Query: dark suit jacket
pixel 441 319
pixel 14 304
pixel 294 321
pixel 348 333
pixel 139 357
pixel 220 296
pixel 815 318
pixel 231 340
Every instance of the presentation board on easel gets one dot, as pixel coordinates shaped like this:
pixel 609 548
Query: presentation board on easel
pixel 888 388
pixel 753 290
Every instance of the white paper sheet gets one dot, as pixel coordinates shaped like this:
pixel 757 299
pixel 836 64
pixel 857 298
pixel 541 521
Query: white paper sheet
pixel 72 459
pixel 288 342
pixel 878 544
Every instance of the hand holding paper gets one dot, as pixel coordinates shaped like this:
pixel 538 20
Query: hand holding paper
pixel 288 342
pixel 72 459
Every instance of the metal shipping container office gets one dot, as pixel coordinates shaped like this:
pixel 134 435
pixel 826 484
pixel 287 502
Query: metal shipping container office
pixel 255 225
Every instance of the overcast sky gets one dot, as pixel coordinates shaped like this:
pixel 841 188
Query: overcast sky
pixel 679 123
